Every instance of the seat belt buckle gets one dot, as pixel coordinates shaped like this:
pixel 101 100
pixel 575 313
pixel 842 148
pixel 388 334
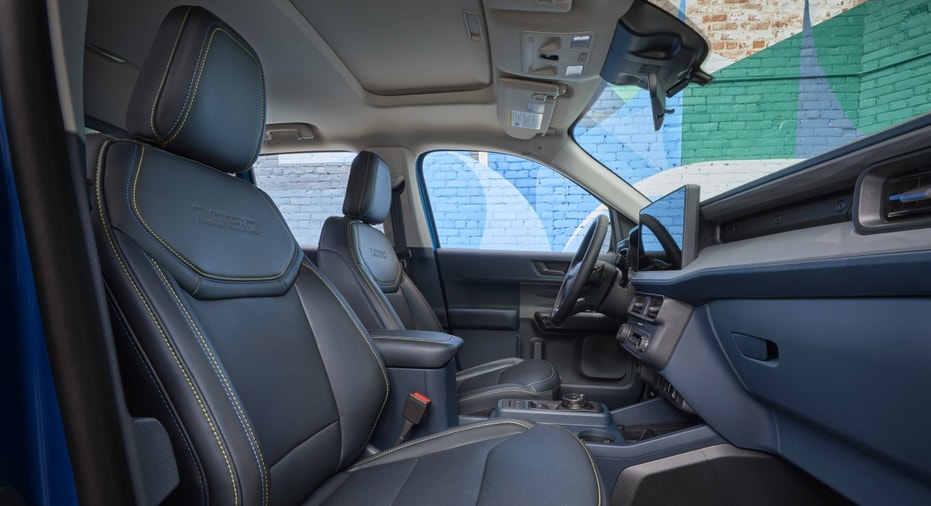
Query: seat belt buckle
pixel 415 410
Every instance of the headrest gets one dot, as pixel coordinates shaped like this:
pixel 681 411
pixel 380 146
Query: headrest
pixel 201 92
pixel 368 192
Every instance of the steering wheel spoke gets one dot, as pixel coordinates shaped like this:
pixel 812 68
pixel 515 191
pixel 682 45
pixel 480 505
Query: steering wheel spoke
pixel 570 299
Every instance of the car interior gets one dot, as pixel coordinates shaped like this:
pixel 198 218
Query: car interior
pixel 747 330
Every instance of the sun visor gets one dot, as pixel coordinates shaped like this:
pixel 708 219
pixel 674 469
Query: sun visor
pixel 525 108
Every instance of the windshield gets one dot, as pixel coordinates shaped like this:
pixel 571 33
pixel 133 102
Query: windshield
pixel 792 80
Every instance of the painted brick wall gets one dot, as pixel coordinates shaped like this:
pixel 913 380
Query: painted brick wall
pixel 308 188
pixel 841 69
pixel 498 201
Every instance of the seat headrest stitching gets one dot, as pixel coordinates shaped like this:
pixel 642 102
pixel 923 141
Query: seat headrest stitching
pixel 194 82
pixel 363 195
pixel 161 84
pixel 202 62
pixel 138 215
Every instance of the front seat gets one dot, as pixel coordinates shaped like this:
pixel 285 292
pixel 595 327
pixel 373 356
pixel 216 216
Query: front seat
pixel 360 261
pixel 267 383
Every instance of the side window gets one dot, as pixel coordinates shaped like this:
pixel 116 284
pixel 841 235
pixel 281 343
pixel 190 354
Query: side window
pixel 495 201
pixel 307 187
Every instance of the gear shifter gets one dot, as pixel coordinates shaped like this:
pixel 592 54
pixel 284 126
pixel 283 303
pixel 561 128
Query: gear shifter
pixel 575 401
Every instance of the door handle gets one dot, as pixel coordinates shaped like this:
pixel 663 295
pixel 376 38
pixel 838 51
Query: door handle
pixel 551 268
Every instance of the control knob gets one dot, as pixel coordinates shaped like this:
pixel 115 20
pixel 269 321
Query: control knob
pixel 575 401
pixel 623 333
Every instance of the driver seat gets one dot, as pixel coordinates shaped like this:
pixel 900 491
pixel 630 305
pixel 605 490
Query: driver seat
pixel 266 383
pixel 359 259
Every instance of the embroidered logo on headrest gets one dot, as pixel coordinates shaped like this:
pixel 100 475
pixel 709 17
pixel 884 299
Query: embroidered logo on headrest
pixel 379 253
pixel 226 221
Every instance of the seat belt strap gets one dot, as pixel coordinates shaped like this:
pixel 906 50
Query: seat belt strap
pixel 397 227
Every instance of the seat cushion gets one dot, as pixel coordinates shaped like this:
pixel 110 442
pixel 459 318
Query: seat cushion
pixel 509 462
pixel 481 387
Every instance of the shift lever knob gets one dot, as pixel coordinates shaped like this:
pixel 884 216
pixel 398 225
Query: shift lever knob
pixel 574 401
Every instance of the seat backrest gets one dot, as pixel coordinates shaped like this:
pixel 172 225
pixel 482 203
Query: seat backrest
pixel 263 377
pixel 360 260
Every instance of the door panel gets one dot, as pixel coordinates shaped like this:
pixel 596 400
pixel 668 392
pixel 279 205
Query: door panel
pixel 498 301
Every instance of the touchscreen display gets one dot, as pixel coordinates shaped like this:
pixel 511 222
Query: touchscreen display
pixel 676 217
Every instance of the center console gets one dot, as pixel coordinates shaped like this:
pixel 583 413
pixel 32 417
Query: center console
pixel 417 361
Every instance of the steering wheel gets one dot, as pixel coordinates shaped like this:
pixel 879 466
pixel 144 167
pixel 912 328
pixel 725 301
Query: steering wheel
pixel 672 250
pixel 579 271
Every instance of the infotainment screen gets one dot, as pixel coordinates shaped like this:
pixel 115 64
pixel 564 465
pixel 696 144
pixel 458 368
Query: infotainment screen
pixel 672 219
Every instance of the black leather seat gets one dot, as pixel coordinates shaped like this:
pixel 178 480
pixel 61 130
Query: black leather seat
pixel 268 385
pixel 360 261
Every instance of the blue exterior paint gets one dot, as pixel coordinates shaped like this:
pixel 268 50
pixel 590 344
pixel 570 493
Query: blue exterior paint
pixel 33 453
pixel 822 123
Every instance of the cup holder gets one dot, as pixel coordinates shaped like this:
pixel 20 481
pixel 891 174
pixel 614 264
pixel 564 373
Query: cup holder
pixel 597 436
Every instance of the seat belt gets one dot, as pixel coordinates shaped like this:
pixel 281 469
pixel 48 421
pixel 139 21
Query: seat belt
pixel 397 227
pixel 415 410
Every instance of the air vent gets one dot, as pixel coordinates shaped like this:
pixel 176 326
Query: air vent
pixel 639 304
pixel 653 308
pixel 894 195
pixel 907 196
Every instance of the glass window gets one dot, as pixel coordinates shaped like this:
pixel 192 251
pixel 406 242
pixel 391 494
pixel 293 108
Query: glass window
pixel 494 201
pixel 308 188
pixel 791 81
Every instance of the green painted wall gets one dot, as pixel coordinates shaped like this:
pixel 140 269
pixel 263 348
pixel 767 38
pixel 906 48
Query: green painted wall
pixel 877 60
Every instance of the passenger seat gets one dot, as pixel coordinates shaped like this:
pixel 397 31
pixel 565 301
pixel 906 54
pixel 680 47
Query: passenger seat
pixel 359 259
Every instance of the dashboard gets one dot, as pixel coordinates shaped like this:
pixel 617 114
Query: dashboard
pixel 800 325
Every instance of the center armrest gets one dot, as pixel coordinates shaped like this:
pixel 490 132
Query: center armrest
pixel 419 349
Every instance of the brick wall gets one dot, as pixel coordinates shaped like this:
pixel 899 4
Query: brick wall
pixel 308 188
pixel 816 79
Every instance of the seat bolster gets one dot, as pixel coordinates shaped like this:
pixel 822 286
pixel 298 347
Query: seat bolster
pixel 538 375
pixel 452 438
pixel 360 391
pixel 490 370
pixel 481 387
pixel 419 315
pixel 337 260
pixel 506 462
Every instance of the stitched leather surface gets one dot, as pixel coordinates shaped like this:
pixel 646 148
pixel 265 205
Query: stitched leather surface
pixel 416 348
pixel 269 383
pixel 497 462
pixel 225 242
pixel 362 264
pixel 201 92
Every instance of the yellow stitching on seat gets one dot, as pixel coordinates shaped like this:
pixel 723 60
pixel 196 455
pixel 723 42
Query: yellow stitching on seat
pixel 179 256
pixel 365 337
pixel 161 85
pixel 485 365
pixel 174 355
pixel 200 73
pixel 437 436
pixel 233 398
pixel 552 373
pixel 499 391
